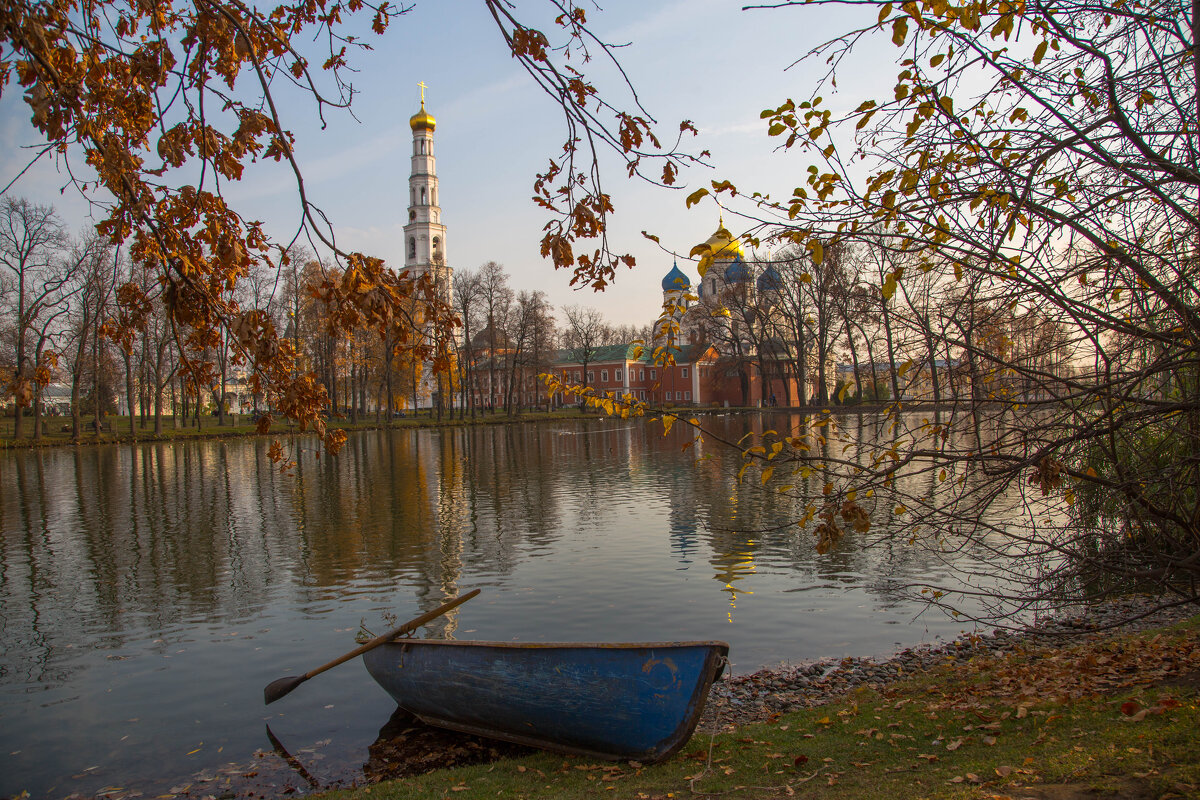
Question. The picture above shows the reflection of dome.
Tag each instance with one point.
(769, 281)
(737, 272)
(422, 119)
(676, 280)
(721, 246)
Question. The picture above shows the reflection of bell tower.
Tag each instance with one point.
(424, 234)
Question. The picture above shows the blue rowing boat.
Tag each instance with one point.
(639, 702)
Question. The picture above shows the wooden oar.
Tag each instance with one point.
(278, 688)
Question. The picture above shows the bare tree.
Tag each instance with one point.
(495, 299)
(32, 239)
(468, 295)
(585, 333)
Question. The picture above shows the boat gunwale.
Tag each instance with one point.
(559, 645)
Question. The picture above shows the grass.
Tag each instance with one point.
(1106, 719)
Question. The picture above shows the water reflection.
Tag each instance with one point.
(150, 592)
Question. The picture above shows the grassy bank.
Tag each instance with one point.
(1114, 717)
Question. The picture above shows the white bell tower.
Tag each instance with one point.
(424, 234)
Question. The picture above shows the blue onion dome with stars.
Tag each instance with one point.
(737, 271)
(676, 280)
(770, 280)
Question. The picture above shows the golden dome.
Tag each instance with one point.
(422, 119)
(721, 246)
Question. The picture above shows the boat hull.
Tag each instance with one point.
(613, 701)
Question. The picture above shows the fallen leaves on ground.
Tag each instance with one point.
(1097, 667)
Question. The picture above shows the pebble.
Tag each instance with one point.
(741, 699)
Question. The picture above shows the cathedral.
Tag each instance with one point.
(738, 311)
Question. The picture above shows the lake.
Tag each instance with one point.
(150, 592)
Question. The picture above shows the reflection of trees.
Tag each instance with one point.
(105, 544)
(745, 524)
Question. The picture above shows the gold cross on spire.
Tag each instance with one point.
(423, 88)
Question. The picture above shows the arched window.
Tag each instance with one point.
(412, 247)
(437, 243)
(422, 195)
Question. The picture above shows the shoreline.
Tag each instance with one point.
(756, 697)
(247, 430)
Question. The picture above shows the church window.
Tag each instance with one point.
(591, 376)
(642, 376)
(437, 248)
(412, 247)
(617, 375)
(422, 195)
(604, 376)
(687, 395)
(433, 197)
(685, 372)
(653, 374)
(412, 216)
(578, 377)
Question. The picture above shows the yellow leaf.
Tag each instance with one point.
(889, 287)
(695, 197)
(1039, 52)
(885, 12)
(766, 474)
(899, 31)
(818, 253)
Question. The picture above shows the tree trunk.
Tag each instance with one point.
(854, 360)
(129, 397)
(891, 353)
(37, 412)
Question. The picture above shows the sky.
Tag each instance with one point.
(707, 61)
